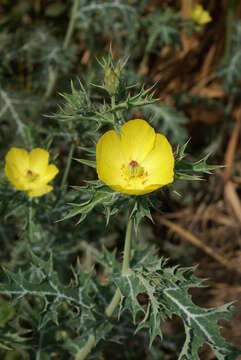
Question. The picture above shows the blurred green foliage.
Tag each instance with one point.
(55, 94)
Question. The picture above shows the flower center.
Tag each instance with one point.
(31, 176)
(133, 173)
(134, 169)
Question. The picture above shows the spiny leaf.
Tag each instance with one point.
(187, 171)
(48, 286)
(167, 293)
(180, 151)
(167, 120)
(89, 163)
(141, 210)
(163, 28)
(201, 325)
(100, 197)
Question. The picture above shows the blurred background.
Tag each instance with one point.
(197, 71)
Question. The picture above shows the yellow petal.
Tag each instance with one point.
(40, 191)
(199, 15)
(44, 178)
(159, 163)
(137, 139)
(50, 173)
(135, 191)
(198, 10)
(38, 160)
(18, 159)
(205, 18)
(109, 158)
(15, 178)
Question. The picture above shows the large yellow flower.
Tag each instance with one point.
(200, 16)
(30, 171)
(137, 162)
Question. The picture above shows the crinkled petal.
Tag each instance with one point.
(15, 178)
(44, 179)
(40, 191)
(50, 173)
(137, 139)
(38, 160)
(159, 164)
(109, 158)
(18, 159)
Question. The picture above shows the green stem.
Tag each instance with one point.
(71, 25)
(67, 38)
(53, 75)
(51, 82)
(30, 222)
(125, 268)
(113, 304)
(229, 28)
(83, 353)
(127, 248)
(113, 107)
(67, 168)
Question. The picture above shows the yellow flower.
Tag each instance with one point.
(137, 162)
(30, 171)
(200, 16)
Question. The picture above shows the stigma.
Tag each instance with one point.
(134, 169)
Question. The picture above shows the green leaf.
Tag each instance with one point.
(102, 197)
(201, 325)
(187, 171)
(166, 290)
(47, 286)
(163, 28)
(89, 163)
(180, 151)
(7, 312)
(141, 210)
(167, 120)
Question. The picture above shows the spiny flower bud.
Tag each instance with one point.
(112, 78)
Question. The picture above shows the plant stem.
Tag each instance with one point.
(30, 222)
(70, 29)
(229, 27)
(67, 38)
(67, 168)
(83, 353)
(113, 304)
(51, 82)
(113, 107)
(125, 268)
(53, 75)
(127, 248)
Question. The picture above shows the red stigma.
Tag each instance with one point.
(133, 163)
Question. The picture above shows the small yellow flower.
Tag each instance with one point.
(200, 16)
(30, 171)
(137, 162)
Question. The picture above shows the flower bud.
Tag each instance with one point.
(112, 78)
